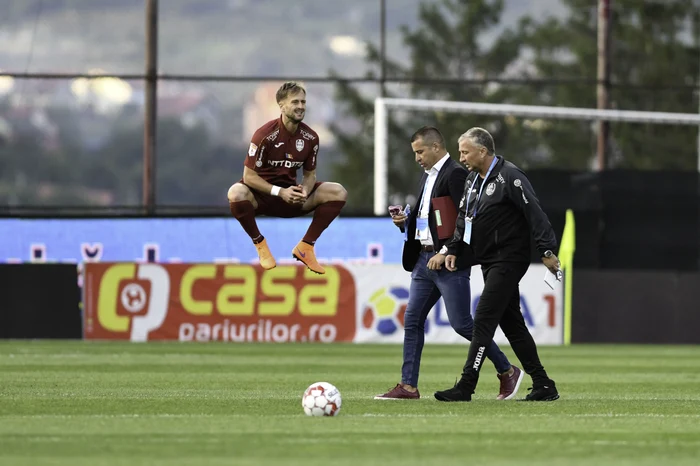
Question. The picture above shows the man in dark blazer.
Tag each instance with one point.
(429, 279)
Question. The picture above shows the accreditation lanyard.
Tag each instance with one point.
(425, 193)
(478, 196)
(422, 228)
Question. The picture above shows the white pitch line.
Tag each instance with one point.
(378, 415)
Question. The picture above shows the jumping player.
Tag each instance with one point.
(269, 185)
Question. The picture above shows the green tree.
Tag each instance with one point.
(449, 45)
(192, 170)
(653, 48)
(31, 175)
(188, 166)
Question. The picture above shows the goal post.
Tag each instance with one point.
(382, 105)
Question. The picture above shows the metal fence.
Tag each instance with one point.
(145, 107)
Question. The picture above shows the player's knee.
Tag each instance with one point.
(338, 192)
(238, 192)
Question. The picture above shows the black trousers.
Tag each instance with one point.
(500, 305)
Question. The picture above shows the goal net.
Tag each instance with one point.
(382, 107)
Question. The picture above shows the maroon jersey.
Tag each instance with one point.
(276, 154)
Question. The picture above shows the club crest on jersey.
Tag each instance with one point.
(300, 145)
(490, 188)
(252, 150)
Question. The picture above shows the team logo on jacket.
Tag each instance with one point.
(490, 188)
(519, 184)
(300, 144)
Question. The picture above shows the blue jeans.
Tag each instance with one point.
(426, 288)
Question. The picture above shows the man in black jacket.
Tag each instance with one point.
(429, 279)
(498, 212)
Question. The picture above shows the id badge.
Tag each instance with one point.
(467, 237)
(421, 228)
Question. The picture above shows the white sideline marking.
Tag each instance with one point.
(342, 414)
(650, 415)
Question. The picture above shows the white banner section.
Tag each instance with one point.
(383, 294)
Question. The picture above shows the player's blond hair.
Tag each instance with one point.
(290, 87)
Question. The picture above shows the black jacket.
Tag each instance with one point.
(508, 212)
(450, 182)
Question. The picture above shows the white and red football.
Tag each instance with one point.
(321, 399)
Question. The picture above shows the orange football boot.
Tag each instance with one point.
(304, 252)
(266, 260)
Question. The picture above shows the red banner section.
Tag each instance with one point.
(217, 302)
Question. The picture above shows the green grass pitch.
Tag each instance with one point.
(82, 403)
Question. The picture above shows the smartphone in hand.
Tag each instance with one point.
(395, 210)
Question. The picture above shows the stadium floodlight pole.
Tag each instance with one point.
(150, 108)
(381, 125)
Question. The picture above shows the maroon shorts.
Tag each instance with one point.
(274, 206)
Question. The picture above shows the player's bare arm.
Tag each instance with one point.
(308, 181)
(291, 195)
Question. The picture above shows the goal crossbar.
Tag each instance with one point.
(381, 125)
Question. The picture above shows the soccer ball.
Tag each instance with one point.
(321, 399)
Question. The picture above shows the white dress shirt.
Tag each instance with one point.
(424, 209)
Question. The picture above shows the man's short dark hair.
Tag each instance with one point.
(480, 137)
(429, 135)
(290, 87)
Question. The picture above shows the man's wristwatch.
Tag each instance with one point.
(548, 253)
